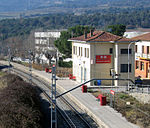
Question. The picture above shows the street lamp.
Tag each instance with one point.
(129, 59)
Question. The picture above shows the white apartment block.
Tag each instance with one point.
(44, 41)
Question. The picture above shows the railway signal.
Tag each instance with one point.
(53, 98)
(112, 96)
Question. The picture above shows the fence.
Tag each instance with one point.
(140, 88)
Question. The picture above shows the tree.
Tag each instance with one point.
(118, 29)
(64, 46)
(49, 54)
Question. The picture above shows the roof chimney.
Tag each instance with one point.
(85, 34)
(91, 32)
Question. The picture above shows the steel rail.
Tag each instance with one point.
(63, 114)
(67, 118)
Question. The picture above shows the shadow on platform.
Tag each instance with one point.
(5, 66)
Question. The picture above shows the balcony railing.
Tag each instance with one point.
(143, 55)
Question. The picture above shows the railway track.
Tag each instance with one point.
(71, 113)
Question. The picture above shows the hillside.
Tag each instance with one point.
(68, 5)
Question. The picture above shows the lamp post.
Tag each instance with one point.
(129, 59)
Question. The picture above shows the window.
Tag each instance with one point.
(136, 48)
(111, 50)
(142, 66)
(84, 52)
(87, 53)
(124, 68)
(76, 50)
(73, 49)
(142, 49)
(79, 51)
(125, 51)
(147, 49)
(137, 65)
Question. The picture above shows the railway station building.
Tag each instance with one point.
(100, 54)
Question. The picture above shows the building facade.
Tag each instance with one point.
(142, 56)
(44, 42)
(101, 54)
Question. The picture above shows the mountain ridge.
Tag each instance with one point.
(24, 5)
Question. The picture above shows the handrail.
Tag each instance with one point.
(90, 81)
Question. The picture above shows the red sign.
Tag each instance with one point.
(112, 92)
(103, 59)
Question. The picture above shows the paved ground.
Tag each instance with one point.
(105, 116)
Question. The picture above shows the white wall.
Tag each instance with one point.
(81, 63)
(47, 34)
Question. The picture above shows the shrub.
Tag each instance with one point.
(65, 64)
(19, 105)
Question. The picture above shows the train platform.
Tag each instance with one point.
(104, 116)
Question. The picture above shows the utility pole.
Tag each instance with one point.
(53, 98)
(9, 58)
(30, 66)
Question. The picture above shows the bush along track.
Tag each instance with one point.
(19, 105)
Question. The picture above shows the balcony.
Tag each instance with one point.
(142, 55)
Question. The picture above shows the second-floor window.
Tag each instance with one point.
(86, 52)
(125, 51)
(147, 49)
(111, 50)
(79, 51)
(136, 48)
(142, 49)
(74, 49)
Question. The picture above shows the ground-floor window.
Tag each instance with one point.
(142, 66)
(137, 64)
(124, 68)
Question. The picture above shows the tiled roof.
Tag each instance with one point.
(101, 36)
(144, 37)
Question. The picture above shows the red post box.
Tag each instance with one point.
(70, 76)
(102, 99)
(46, 69)
(84, 88)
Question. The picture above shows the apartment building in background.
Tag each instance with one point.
(100, 54)
(142, 56)
(44, 42)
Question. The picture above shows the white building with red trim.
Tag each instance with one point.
(100, 54)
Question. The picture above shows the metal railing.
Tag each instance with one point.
(140, 88)
(143, 55)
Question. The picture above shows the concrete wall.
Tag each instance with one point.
(101, 70)
(123, 59)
